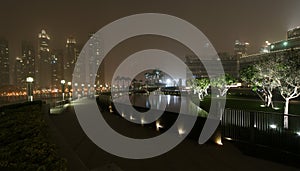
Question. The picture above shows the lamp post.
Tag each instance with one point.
(76, 90)
(29, 81)
(95, 89)
(89, 90)
(82, 86)
(69, 89)
(63, 89)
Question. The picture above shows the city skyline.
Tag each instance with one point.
(253, 21)
(270, 21)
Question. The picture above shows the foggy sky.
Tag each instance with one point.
(222, 21)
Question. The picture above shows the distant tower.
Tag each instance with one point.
(44, 61)
(28, 58)
(57, 68)
(95, 59)
(240, 48)
(19, 73)
(70, 58)
(4, 62)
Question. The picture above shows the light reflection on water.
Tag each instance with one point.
(173, 103)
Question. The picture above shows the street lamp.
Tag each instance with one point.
(29, 81)
(69, 88)
(76, 90)
(82, 86)
(63, 88)
(89, 90)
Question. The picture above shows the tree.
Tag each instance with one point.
(261, 78)
(282, 73)
(223, 83)
(200, 86)
(288, 75)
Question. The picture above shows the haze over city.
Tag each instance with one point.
(223, 95)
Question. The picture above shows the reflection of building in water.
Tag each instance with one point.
(229, 62)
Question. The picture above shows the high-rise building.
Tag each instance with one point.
(196, 68)
(292, 41)
(95, 50)
(28, 58)
(70, 58)
(57, 68)
(240, 48)
(25, 65)
(19, 73)
(44, 61)
(4, 62)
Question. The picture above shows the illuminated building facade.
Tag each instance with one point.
(28, 58)
(292, 42)
(44, 61)
(229, 62)
(70, 58)
(19, 72)
(57, 69)
(240, 48)
(4, 62)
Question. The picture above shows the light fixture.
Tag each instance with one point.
(158, 125)
(273, 126)
(181, 131)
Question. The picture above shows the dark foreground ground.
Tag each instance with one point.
(82, 154)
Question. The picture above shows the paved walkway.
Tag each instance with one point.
(187, 156)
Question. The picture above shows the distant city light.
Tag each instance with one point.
(273, 126)
(285, 43)
(298, 133)
(29, 79)
(227, 138)
(218, 140)
(131, 118)
(158, 125)
(181, 131)
(272, 46)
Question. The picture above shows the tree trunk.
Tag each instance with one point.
(286, 112)
(286, 106)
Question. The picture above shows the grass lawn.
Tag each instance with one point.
(245, 103)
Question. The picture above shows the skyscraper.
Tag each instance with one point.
(70, 58)
(28, 58)
(4, 62)
(19, 72)
(44, 61)
(25, 65)
(57, 68)
(240, 48)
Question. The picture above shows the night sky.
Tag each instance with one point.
(223, 22)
